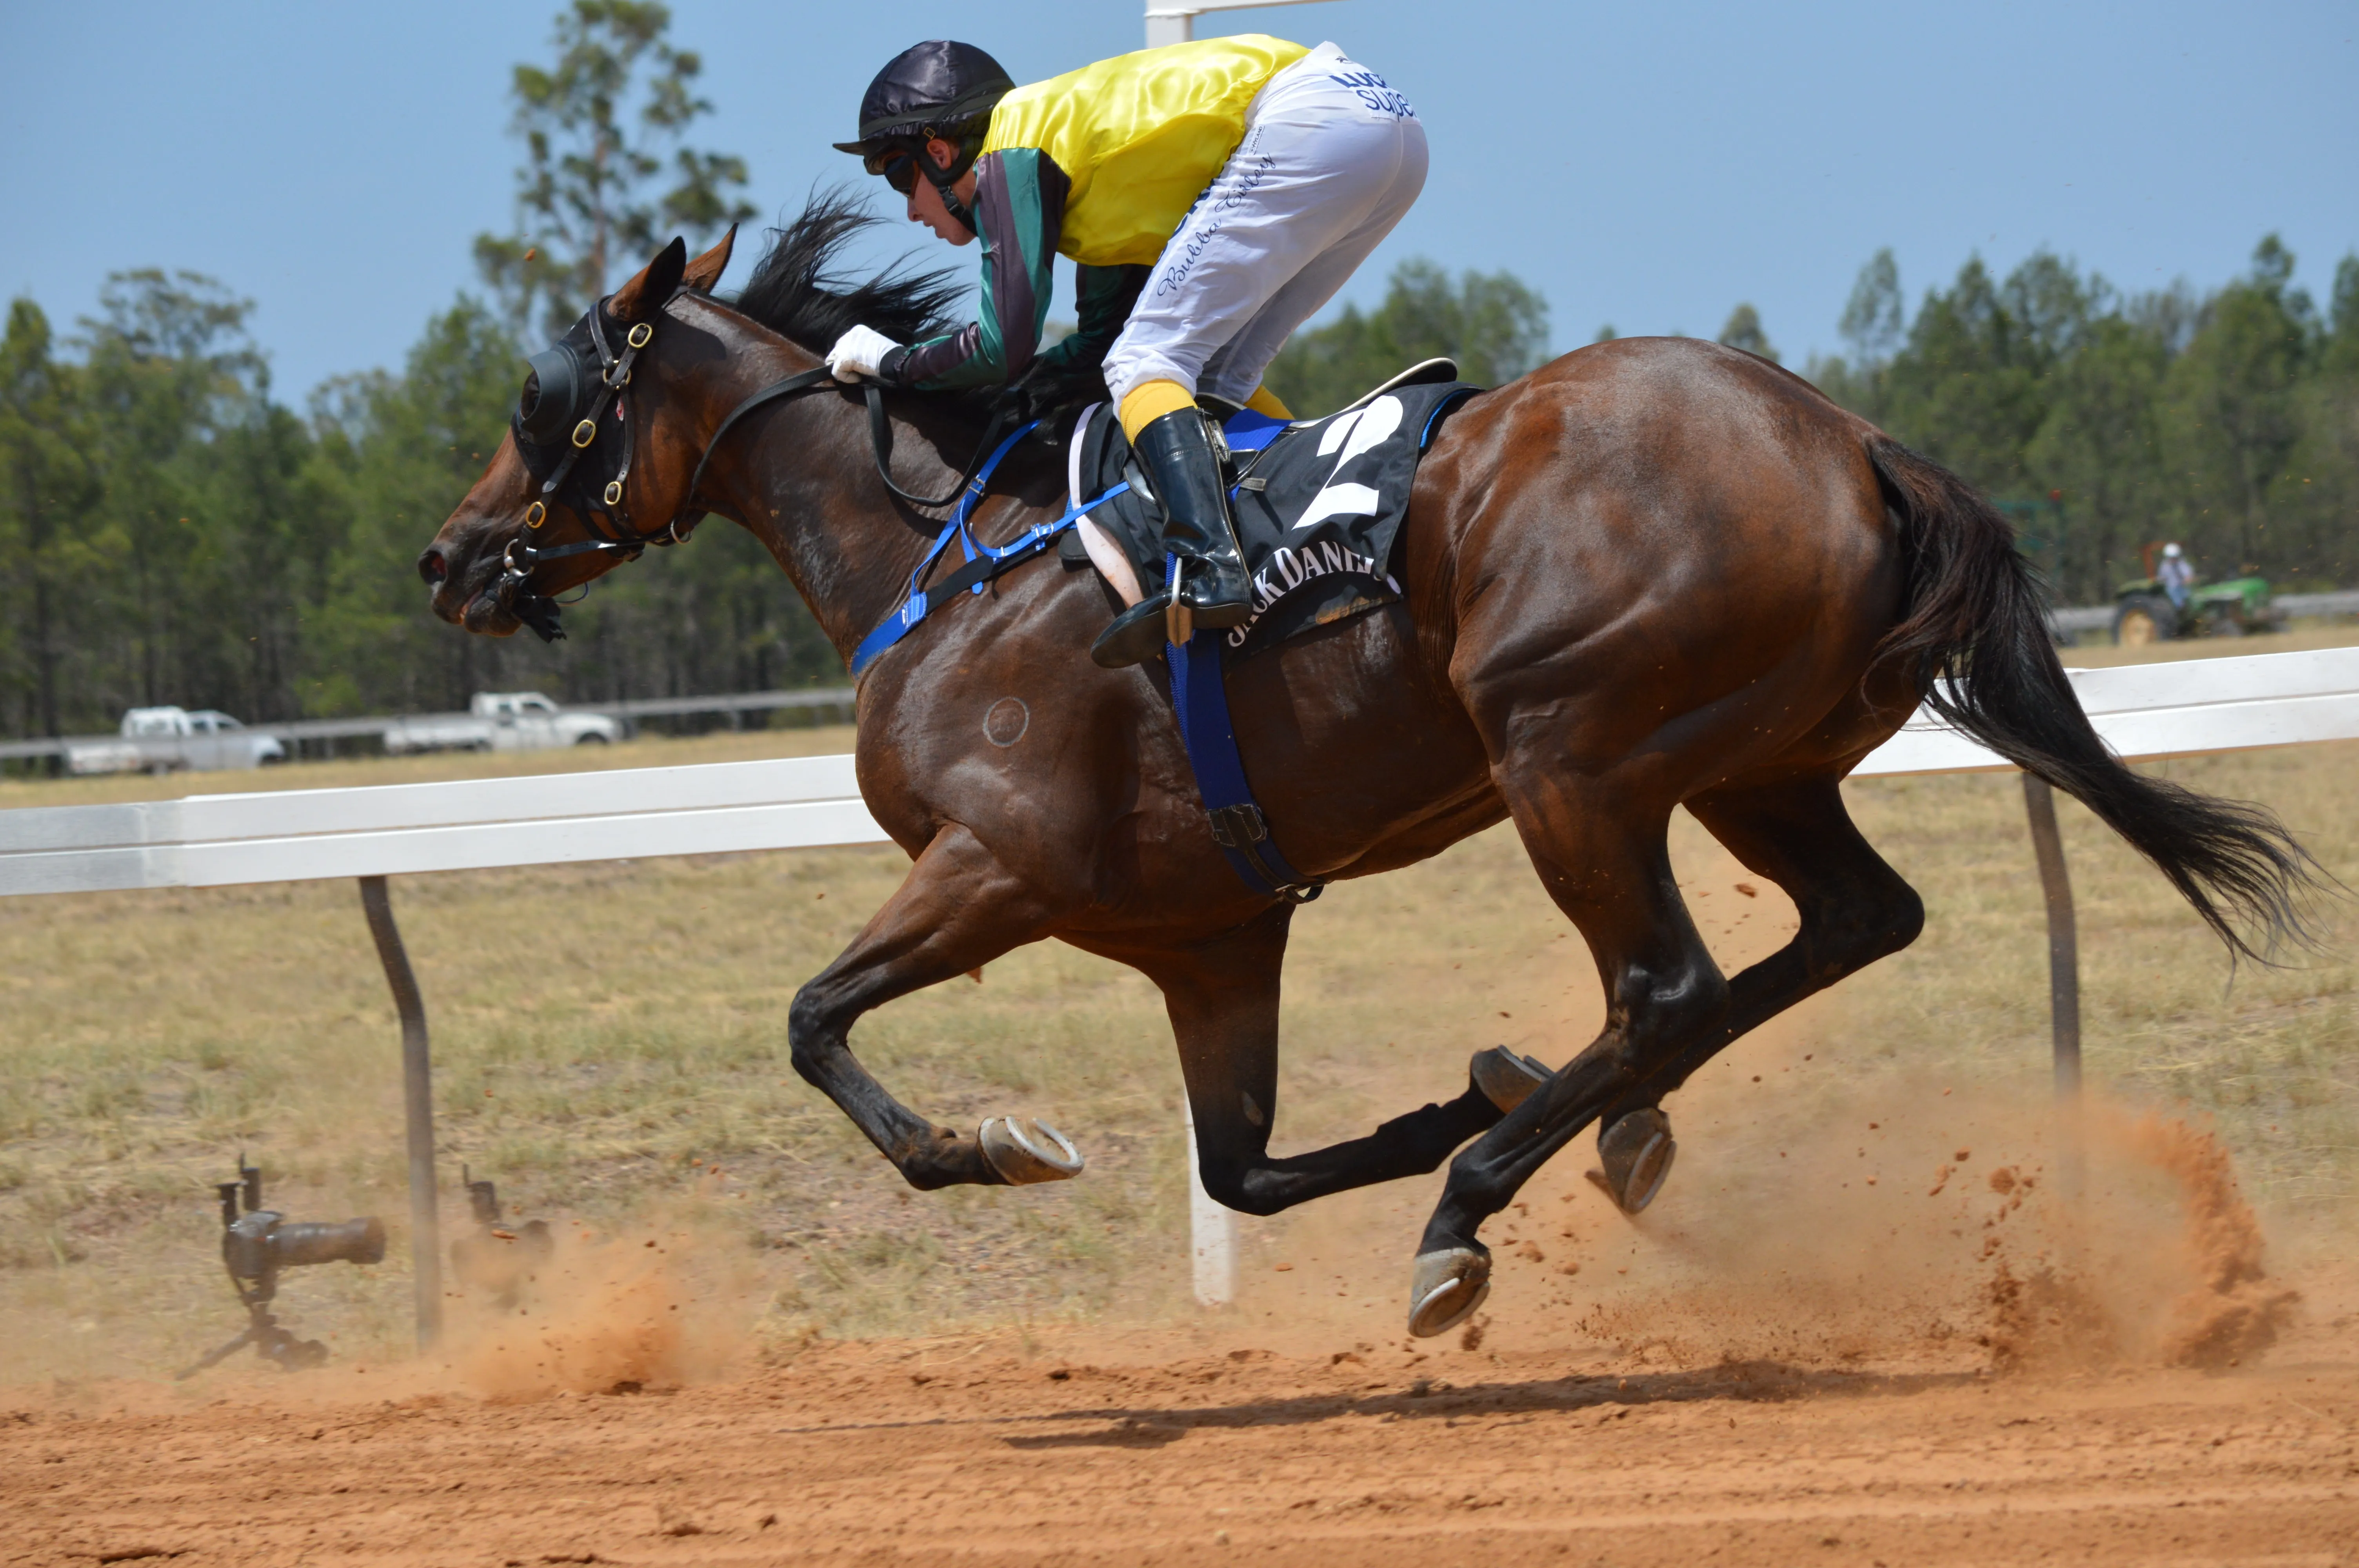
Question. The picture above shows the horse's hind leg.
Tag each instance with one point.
(1222, 997)
(1600, 851)
(957, 909)
(1853, 909)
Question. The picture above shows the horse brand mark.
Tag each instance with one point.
(1006, 723)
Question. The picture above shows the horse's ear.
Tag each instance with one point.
(645, 294)
(704, 272)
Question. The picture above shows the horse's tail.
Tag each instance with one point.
(1977, 634)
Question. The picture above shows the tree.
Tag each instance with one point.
(47, 486)
(1873, 316)
(1971, 384)
(1744, 331)
(2232, 406)
(169, 371)
(1491, 323)
(593, 200)
(2100, 444)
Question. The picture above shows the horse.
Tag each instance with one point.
(1654, 573)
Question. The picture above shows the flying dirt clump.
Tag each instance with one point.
(2108, 1287)
(2232, 1312)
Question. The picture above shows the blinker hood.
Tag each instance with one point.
(554, 394)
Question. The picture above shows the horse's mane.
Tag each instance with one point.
(797, 292)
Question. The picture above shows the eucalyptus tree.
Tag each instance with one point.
(607, 174)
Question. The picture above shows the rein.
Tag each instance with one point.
(539, 612)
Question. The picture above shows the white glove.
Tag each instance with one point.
(858, 353)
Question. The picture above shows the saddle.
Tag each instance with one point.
(1318, 502)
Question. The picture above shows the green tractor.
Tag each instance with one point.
(2143, 612)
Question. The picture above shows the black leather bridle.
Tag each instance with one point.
(616, 534)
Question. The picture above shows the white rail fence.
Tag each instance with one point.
(210, 840)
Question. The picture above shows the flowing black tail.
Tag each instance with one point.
(1978, 637)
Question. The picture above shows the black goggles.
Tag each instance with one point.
(895, 164)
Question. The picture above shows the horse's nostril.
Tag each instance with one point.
(433, 567)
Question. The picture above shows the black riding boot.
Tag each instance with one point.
(1176, 452)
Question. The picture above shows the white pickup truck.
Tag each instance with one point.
(163, 739)
(501, 721)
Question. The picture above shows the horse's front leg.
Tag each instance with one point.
(1222, 997)
(959, 909)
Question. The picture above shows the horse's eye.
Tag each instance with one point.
(530, 397)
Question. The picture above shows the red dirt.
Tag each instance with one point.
(1154, 1451)
(1897, 1348)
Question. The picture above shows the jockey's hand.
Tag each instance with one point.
(858, 354)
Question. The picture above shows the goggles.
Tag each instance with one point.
(895, 164)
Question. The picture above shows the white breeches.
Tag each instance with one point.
(1331, 159)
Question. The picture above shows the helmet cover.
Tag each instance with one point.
(938, 82)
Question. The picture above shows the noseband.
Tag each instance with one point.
(618, 536)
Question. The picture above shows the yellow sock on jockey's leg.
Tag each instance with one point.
(1150, 401)
(1264, 401)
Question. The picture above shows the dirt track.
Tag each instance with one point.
(978, 1451)
(1903, 1372)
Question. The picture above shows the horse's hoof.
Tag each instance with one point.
(1506, 1079)
(1026, 1153)
(1446, 1286)
(1636, 1152)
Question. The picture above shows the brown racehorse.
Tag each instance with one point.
(1655, 573)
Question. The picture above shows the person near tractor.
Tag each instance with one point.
(1212, 195)
(2176, 575)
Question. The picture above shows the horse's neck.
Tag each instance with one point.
(805, 485)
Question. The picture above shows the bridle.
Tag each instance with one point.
(617, 536)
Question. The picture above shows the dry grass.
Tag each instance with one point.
(609, 1045)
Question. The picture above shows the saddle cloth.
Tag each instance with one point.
(1317, 503)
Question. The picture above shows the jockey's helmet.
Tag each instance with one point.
(935, 88)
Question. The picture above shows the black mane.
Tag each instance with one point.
(796, 293)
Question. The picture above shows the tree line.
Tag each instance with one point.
(2107, 422)
(178, 533)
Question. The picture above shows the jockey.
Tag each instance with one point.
(1213, 195)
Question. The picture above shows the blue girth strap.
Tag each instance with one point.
(1201, 698)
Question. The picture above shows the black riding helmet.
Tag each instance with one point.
(938, 88)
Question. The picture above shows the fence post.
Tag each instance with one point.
(2063, 939)
(418, 1105)
(1211, 1230)
(2063, 970)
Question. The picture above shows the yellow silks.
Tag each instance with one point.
(1140, 136)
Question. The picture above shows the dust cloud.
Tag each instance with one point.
(650, 1306)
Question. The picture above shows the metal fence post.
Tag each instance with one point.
(2063, 939)
(418, 1104)
(2063, 970)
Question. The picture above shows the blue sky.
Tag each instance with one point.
(1645, 165)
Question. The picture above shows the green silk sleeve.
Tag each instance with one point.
(1106, 295)
(1019, 208)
